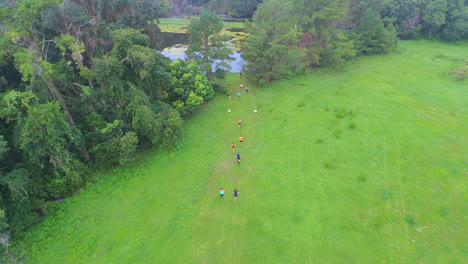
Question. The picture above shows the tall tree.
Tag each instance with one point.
(434, 15)
(206, 43)
(272, 50)
(287, 36)
(370, 36)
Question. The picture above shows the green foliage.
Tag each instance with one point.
(14, 104)
(244, 8)
(370, 35)
(46, 137)
(282, 45)
(128, 147)
(456, 26)
(206, 45)
(142, 116)
(4, 236)
(172, 128)
(434, 15)
(24, 61)
(124, 39)
(73, 68)
(189, 86)
(18, 183)
(447, 19)
(272, 49)
(103, 139)
(3, 146)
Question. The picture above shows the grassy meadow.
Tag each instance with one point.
(361, 164)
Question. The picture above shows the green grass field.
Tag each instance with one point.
(181, 24)
(364, 164)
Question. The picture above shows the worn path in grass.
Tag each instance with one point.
(365, 164)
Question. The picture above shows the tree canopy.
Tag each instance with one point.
(207, 45)
(82, 87)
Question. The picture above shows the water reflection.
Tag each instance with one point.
(178, 52)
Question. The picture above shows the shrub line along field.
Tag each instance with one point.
(364, 164)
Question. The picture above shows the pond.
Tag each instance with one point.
(175, 46)
(178, 52)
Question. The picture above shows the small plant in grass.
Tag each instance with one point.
(362, 178)
(340, 113)
(410, 220)
(343, 113)
(352, 125)
(319, 141)
(328, 165)
(337, 133)
(301, 104)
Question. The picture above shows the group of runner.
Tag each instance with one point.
(233, 145)
(239, 94)
(235, 192)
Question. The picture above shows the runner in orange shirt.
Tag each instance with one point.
(241, 139)
(233, 146)
(239, 122)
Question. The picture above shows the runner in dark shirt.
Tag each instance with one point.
(236, 194)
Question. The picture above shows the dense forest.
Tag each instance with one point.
(82, 86)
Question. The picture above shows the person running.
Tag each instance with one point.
(238, 95)
(238, 156)
(233, 146)
(241, 139)
(239, 122)
(221, 193)
(236, 194)
(247, 89)
(241, 86)
(229, 95)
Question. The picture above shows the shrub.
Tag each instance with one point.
(301, 104)
(128, 147)
(328, 165)
(341, 113)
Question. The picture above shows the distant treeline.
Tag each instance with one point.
(289, 36)
(443, 19)
(234, 8)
